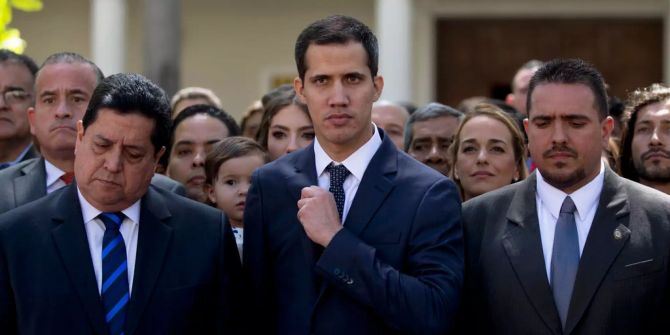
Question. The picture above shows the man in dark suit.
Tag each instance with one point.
(63, 86)
(573, 249)
(17, 77)
(110, 254)
(381, 253)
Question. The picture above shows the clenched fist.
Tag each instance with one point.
(318, 215)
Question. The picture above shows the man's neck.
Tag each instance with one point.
(64, 160)
(341, 151)
(661, 186)
(11, 149)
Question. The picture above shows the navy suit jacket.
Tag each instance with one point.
(396, 267)
(182, 283)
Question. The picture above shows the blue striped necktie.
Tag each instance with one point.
(115, 292)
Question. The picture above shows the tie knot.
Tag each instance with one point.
(568, 206)
(112, 220)
(337, 171)
(67, 178)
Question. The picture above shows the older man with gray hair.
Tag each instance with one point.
(429, 132)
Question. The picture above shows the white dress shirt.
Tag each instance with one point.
(95, 230)
(549, 201)
(356, 163)
(53, 177)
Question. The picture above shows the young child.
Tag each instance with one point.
(228, 169)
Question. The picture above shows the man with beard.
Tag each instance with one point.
(574, 248)
(646, 138)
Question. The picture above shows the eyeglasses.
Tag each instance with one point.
(15, 97)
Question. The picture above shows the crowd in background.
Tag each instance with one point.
(481, 144)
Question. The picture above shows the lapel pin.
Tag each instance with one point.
(618, 234)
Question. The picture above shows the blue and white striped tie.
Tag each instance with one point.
(115, 292)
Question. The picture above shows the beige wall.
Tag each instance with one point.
(232, 47)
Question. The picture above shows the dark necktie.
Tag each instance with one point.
(338, 173)
(564, 258)
(115, 292)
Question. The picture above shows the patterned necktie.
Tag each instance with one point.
(115, 292)
(338, 173)
(67, 178)
(564, 258)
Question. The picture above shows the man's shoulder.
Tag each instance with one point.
(495, 200)
(642, 196)
(179, 207)
(40, 210)
(19, 169)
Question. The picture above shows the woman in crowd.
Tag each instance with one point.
(251, 120)
(488, 152)
(286, 125)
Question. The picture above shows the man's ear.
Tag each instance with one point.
(31, 119)
(80, 135)
(378, 82)
(160, 153)
(299, 87)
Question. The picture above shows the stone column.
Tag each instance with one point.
(108, 35)
(394, 22)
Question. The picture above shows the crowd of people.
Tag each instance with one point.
(326, 210)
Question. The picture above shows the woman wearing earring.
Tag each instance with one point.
(487, 153)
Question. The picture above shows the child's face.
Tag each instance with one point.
(231, 185)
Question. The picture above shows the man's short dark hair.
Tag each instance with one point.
(336, 29)
(133, 94)
(637, 100)
(73, 58)
(10, 56)
(571, 71)
(430, 111)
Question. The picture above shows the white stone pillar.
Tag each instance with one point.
(394, 22)
(108, 35)
(666, 43)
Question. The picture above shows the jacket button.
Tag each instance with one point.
(349, 281)
(337, 271)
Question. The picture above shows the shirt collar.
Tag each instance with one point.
(21, 155)
(584, 198)
(356, 163)
(53, 173)
(89, 212)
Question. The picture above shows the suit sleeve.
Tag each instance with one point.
(254, 264)
(7, 305)
(423, 298)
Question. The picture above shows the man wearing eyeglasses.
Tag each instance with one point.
(17, 77)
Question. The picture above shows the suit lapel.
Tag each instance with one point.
(374, 187)
(69, 235)
(152, 247)
(31, 185)
(601, 248)
(523, 247)
(303, 174)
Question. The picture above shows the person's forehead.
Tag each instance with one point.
(437, 125)
(522, 78)
(657, 111)
(200, 128)
(389, 113)
(561, 98)
(485, 128)
(335, 58)
(15, 74)
(71, 75)
(128, 127)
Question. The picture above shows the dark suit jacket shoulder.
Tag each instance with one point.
(396, 267)
(22, 183)
(182, 280)
(624, 263)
